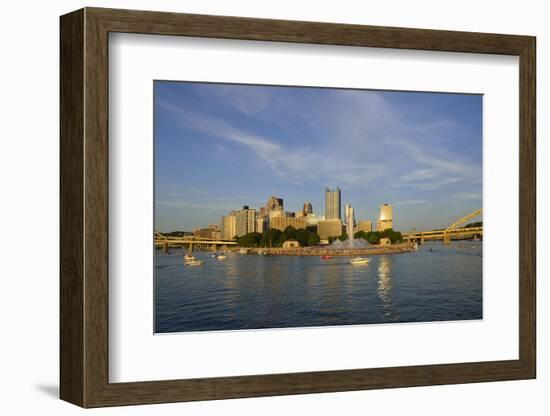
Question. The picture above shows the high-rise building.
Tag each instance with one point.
(260, 224)
(386, 218)
(274, 203)
(364, 225)
(276, 212)
(228, 226)
(329, 228)
(349, 214)
(245, 221)
(333, 201)
(307, 209)
(350, 220)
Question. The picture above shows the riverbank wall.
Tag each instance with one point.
(329, 251)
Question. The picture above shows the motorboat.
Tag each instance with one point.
(222, 256)
(359, 260)
(194, 263)
(326, 257)
(188, 257)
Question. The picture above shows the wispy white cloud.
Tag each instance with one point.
(295, 163)
(361, 140)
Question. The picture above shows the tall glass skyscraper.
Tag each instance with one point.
(333, 203)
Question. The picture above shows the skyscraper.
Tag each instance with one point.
(386, 218)
(273, 203)
(333, 201)
(228, 226)
(350, 220)
(307, 209)
(245, 221)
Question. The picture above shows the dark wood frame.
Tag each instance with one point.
(84, 207)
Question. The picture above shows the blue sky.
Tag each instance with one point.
(221, 146)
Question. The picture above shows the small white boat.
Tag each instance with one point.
(188, 257)
(194, 263)
(222, 257)
(359, 260)
(214, 255)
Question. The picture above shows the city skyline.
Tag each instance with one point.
(221, 146)
(262, 217)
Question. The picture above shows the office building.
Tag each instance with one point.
(386, 218)
(307, 209)
(281, 222)
(260, 224)
(228, 227)
(350, 220)
(273, 203)
(245, 221)
(211, 232)
(329, 228)
(333, 201)
(276, 212)
(364, 225)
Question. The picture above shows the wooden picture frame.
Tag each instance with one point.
(84, 207)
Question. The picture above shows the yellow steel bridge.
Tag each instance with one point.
(190, 241)
(455, 231)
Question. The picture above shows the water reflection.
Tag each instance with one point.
(385, 286)
(254, 291)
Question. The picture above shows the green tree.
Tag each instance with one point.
(290, 233)
(271, 238)
(373, 237)
(343, 237)
(302, 236)
(394, 236)
(250, 240)
(313, 239)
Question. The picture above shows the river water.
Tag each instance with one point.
(435, 283)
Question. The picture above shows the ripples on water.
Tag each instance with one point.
(255, 291)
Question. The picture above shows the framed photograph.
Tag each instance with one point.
(254, 207)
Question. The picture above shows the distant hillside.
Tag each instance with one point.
(474, 224)
(177, 233)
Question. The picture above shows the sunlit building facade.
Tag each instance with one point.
(228, 226)
(280, 223)
(386, 218)
(364, 225)
(245, 221)
(329, 228)
(333, 203)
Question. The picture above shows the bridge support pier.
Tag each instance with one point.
(446, 239)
